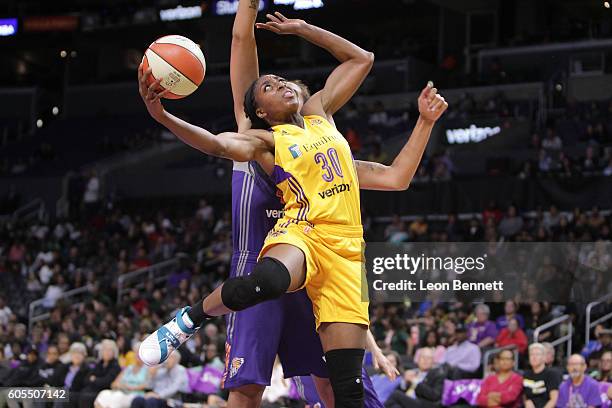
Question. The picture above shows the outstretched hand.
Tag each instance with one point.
(150, 92)
(280, 24)
(431, 104)
(382, 363)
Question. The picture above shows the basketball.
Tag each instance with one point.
(179, 62)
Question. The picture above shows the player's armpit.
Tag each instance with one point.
(240, 147)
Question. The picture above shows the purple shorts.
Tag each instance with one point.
(305, 390)
(256, 335)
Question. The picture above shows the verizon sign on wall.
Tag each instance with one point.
(471, 134)
(483, 134)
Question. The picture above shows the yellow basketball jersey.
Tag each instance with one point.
(315, 172)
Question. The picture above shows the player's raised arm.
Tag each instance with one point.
(244, 66)
(344, 81)
(397, 176)
(229, 145)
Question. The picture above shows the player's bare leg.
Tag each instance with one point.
(280, 270)
(324, 389)
(247, 396)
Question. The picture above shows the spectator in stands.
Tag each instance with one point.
(212, 357)
(418, 229)
(589, 162)
(397, 338)
(511, 224)
(604, 371)
(510, 309)
(545, 162)
(167, 381)
(63, 345)
(141, 260)
(537, 317)
(130, 383)
(5, 367)
(474, 230)
(50, 368)
(602, 341)
(26, 373)
(423, 386)
(432, 341)
(504, 388)
(353, 139)
(551, 218)
(5, 313)
(491, 212)
(378, 116)
(540, 383)
(483, 331)
(91, 196)
(607, 171)
(549, 360)
(512, 335)
(552, 143)
(394, 226)
(579, 390)
(102, 375)
(72, 376)
(463, 355)
(205, 212)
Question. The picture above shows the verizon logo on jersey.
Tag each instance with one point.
(275, 213)
(336, 189)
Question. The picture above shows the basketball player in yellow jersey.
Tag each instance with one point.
(318, 244)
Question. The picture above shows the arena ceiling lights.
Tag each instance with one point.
(8, 27)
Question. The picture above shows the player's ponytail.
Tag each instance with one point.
(250, 108)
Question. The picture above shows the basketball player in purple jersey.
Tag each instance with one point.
(284, 326)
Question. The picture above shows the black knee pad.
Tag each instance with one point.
(344, 366)
(269, 280)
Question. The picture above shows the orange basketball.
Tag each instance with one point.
(178, 61)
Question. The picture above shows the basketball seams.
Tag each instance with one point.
(177, 92)
(177, 70)
(200, 59)
(184, 62)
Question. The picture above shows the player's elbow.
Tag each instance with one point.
(242, 36)
(368, 58)
(398, 184)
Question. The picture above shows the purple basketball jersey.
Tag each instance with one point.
(255, 209)
(284, 326)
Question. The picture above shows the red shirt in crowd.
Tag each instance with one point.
(510, 390)
(507, 338)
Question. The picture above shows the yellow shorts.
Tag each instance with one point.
(335, 269)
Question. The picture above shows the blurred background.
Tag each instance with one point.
(104, 215)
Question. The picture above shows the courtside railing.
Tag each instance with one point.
(563, 339)
(589, 325)
(38, 311)
(35, 209)
(157, 273)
